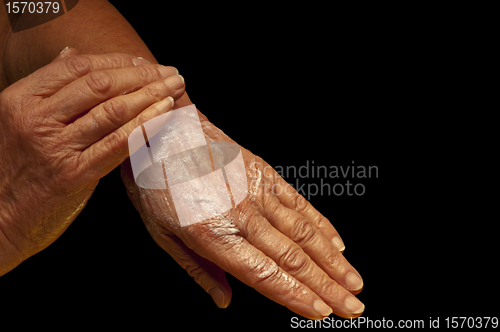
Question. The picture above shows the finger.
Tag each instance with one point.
(301, 231)
(237, 256)
(295, 261)
(66, 52)
(205, 273)
(103, 156)
(70, 66)
(291, 199)
(208, 275)
(114, 113)
(81, 95)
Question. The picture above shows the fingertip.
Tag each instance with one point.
(338, 243)
(64, 50)
(322, 308)
(220, 291)
(220, 298)
(354, 306)
(67, 52)
(353, 282)
(140, 61)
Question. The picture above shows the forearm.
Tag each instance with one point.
(93, 26)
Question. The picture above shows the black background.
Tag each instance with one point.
(292, 85)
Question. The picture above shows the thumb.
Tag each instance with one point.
(205, 273)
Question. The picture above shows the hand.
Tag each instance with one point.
(273, 241)
(62, 128)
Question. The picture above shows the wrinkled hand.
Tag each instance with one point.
(62, 128)
(273, 241)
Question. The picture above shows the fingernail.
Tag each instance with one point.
(165, 105)
(175, 82)
(353, 281)
(140, 61)
(167, 71)
(64, 50)
(353, 305)
(337, 243)
(218, 297)
(322, 308)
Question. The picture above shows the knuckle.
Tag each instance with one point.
(332, 290)
(323, 223)
(264, 270)
(333, 258)
(302, 232)
(217, 231)
(155, 91)
(147, 74)
(194, 271)
(114, 111)
(252, 229)
(294, 260)
(114, 143)
(300, 203)
(78, 65)
(119, 60)
(99, 82)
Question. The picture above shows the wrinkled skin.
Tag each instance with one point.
(63, 128)
(273, 241)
